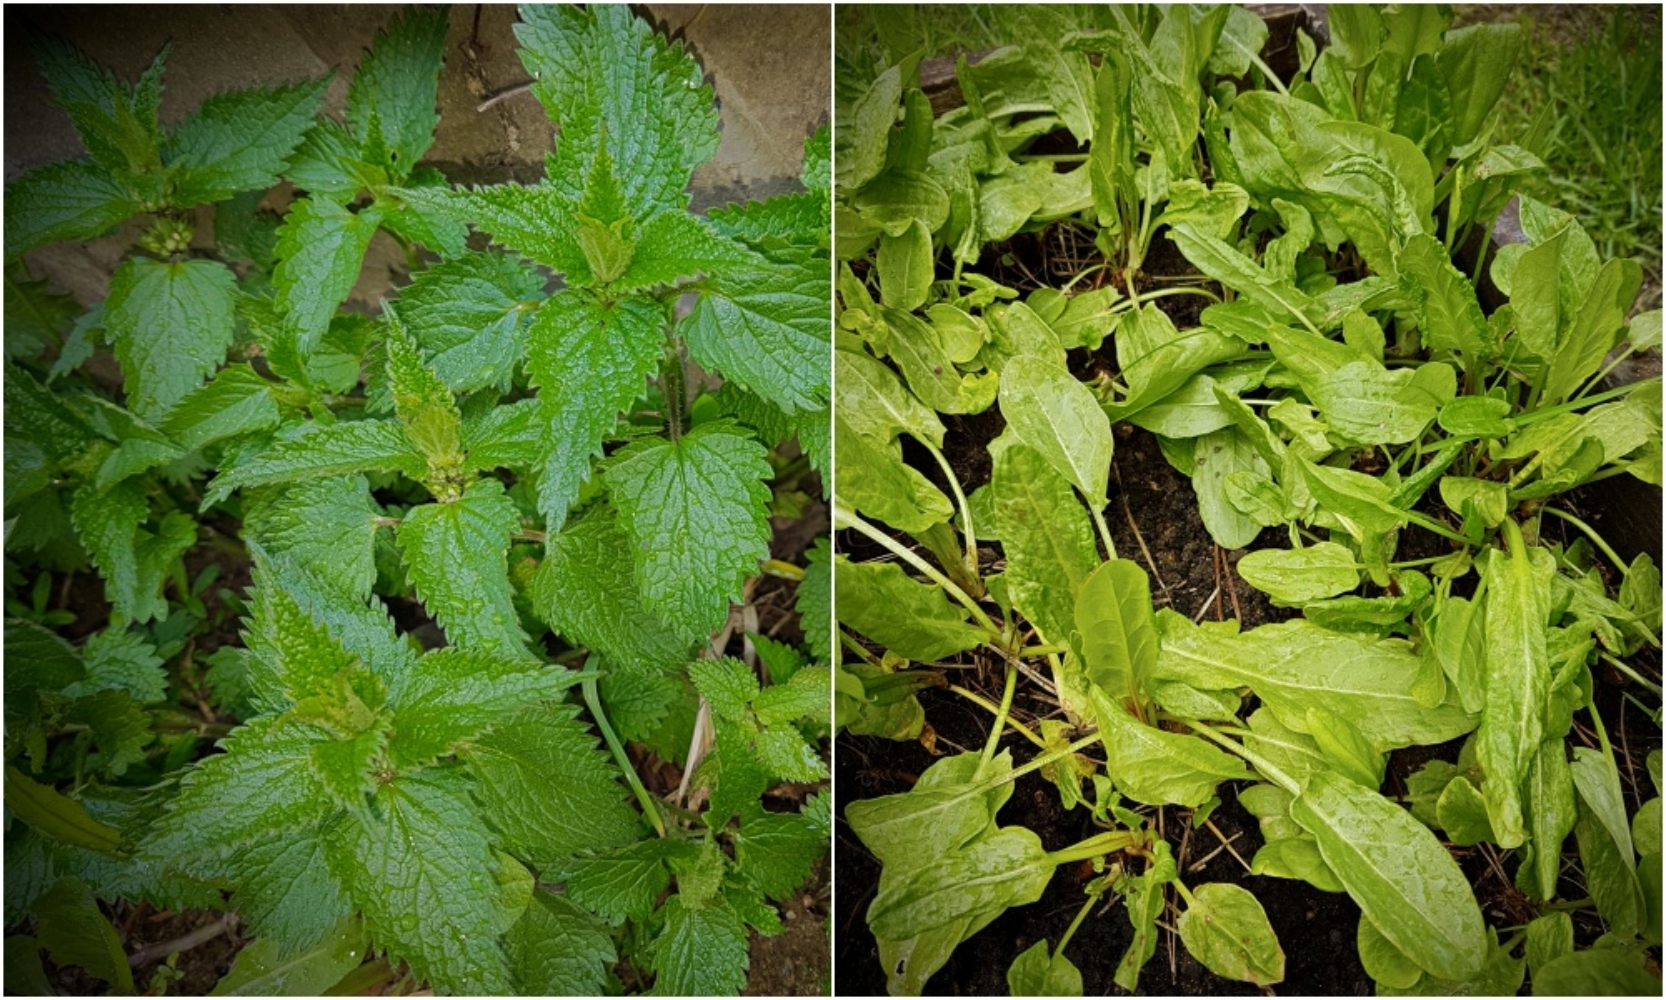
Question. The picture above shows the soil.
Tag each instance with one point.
(1154, 520)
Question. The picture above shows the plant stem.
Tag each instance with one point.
(1266, 71)
(1597, 539)
(993, 709)
(1104, 531)
(994, 740)
(1623, 668)
(845, 518)
(592, 699)
(1037, 652)
(1267, 769)
(970, 558)
(1097, 846)
(673, 389)
(1036, 764)
(1070, 932)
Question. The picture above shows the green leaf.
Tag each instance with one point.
(766, 328)
(391, 101)
(1448, 315)
(1145, 902)
(547, 789)
(1005, 869)
(914, 620)
(1383, 962)
(63, 819)
(69, 200)
(320, 249)
(1476, 61)
(470, 315)
(1049, 544)
(736, 779)
(40, 658)
(624, 883)
(327, 526)
(727, 684)
(240, 140)
(874, 402)
(262, 787)
(701, 952)
(236, 401)
(588, 360)
(1295, 665)
(776, 851)
(117, 122)
(1118, 643)
(1039, 973)
(454, 696)
(1399, 874)
(315, 450)
(1605, 843)
(1296, 576)
(1597, 972)
(118, 727)
(602, 71)
(1344, 747)
(1517, 682)
(264, 967)
(674, 244)
(132, 560)
(1157, 767)
(456, 553)
(75, 932)
(557, 949)
(1049, 410)
(814, 602)
(1551, 813)
(170, 325)
(875, 481)
(1217, 456)
(802, 696)
(695, 510)
(589, 595)
(1225, 928)
(417, 868)
(918, 350)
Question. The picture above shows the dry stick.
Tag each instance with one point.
(504, 95)
(1122, 495)
(1231, 588)
(1206, 605)
(1226, 842)
(185, 942)
(1220, 609)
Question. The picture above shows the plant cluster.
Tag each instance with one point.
(1345, 395)
(418, 804)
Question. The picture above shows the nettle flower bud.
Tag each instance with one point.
(169, 235)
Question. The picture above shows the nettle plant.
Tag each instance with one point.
(442, 804)
(1345, 388)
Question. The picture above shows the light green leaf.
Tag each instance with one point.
(918, 350)
(874, 481)
(68, 200)
(557, 949)
(1398, 873)
(1296, 576)
(170, 325)
(1036, 972)
(1596, 972)
(914, 620)
(874, 402)
(767, 329)
(1517, 683)
(1145, 904)
(1049, 410)
(701, 952)
(905, 267)
(470, 314)
(1005, 869)
(390, 102)
(265, 968)
(1157, 767)
(1225, 928)
(1217, 456)
(695, 511)
(1049, 544)
(588, 360)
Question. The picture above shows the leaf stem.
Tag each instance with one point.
(1097, 846)
(594, 701)
(1591, 533)
(970, 557)
(1081, 915)
(1104, 531)
(846, 519)
(1266, 71)
(993, 709)
(1624, 668)
(1267, 769)
(1000, 722)
(1036, 764)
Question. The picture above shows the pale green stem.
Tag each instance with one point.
(1037, 652)
(1597, 539)
(993, 709)
(1623, 668)
(849, 519)
(1597, 379)
(1096, 846)
(1266, 768)
(1070, 932)
(1163, 293)
(1000, 722)
(1104, 531)
(1037, 764)
(1267, 71)
(647, 802)
(970, 558)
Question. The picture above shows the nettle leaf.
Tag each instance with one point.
(133, 560)
(263, 786)
(292, 655)
(549, 791)
(557, 949)
(624, 883)
(286, 891)
(456, 553)
(470, 314)
(425, 407)
(695, 510)
(326, 525)
(589, 360)
(265, 968)
(813, 601)
(236, 401)
(316, 449)
(453, 696)
(391, 101)
(702, 951)
(320, 249)
(70, 200)
(602, 72)
(674, 244)
(418, 866)
(588, 594)
(121, 661)
(363, 629)
(767, 328)
(240, 140)
(170, 325)
(776, 851)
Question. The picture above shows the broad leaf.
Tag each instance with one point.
(170, 325)
(456, 554)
